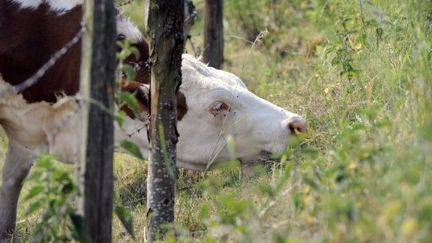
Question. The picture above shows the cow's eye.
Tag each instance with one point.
(218, 107)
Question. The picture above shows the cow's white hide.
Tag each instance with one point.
(41, 127)
(57, 6)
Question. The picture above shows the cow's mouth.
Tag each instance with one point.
(266, 157)
(264, 154)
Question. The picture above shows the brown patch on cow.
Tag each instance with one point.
(28, 38)
(182, 107)
(140, 63)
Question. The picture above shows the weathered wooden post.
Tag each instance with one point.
(213, 33)
(165, 27)
(97, 87)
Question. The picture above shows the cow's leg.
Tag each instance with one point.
(17, 165)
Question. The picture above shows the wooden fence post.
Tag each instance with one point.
(213, 33)
(97, 87)
(165, 27)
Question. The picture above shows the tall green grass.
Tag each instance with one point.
(360, 71)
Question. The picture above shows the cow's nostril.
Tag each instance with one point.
(297, 125)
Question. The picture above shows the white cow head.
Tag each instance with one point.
(220, 107)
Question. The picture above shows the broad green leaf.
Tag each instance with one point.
(130, 101)
(126, 219)
(130, 71)
(36, 190)
(120, 117)
(132, 149)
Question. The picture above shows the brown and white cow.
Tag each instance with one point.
(213, 105)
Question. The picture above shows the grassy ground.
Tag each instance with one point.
(359, 71)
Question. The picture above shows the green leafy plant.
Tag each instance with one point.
(52, 196)
(53, 192)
